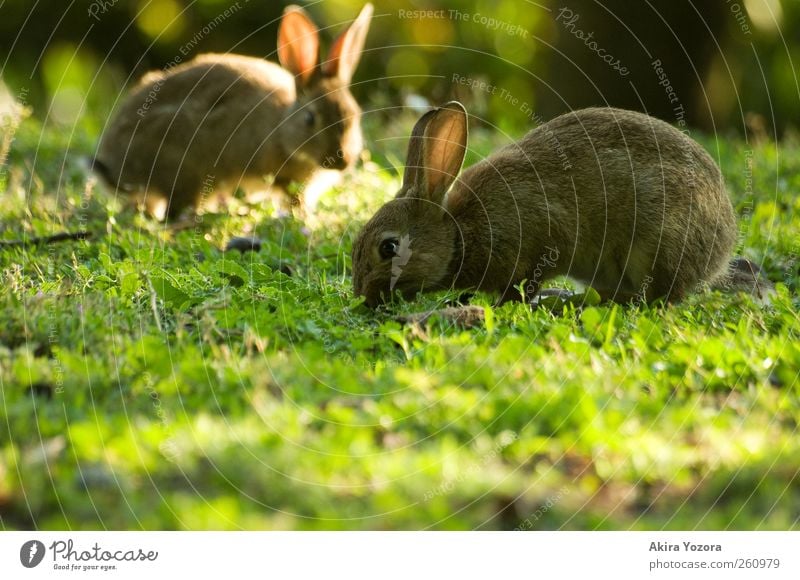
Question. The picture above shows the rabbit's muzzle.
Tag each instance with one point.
(363, 286)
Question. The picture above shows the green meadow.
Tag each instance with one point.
(150, 380)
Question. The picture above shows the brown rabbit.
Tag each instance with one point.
(615, 199)
(223, 119)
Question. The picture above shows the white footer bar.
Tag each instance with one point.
(402, 555)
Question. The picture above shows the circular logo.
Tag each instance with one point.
(31, 553)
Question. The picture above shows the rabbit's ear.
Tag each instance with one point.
(411, 176)
(346, 51)
(298, 44)
(436, 151)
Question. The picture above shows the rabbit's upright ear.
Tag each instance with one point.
(436, 151)
(346, 51)
(298, 44)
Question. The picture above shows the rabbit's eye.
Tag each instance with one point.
(388, 248)
(308, 118)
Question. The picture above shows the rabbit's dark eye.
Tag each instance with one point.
(309, 118)
(389, 248)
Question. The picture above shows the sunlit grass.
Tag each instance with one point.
(150, 380)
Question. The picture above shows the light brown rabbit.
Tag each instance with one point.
(615, 199)
(221, 120)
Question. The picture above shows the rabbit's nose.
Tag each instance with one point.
(371, 299)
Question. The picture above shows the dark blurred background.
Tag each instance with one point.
(717, 65)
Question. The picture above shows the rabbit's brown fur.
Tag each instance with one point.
(220, 120)
(612, 198)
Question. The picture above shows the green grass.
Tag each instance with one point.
(150, 380)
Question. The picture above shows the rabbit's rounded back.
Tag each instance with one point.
(222, 118)
(613, 198)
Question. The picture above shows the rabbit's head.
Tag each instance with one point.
(412, 243)
(323, 126)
